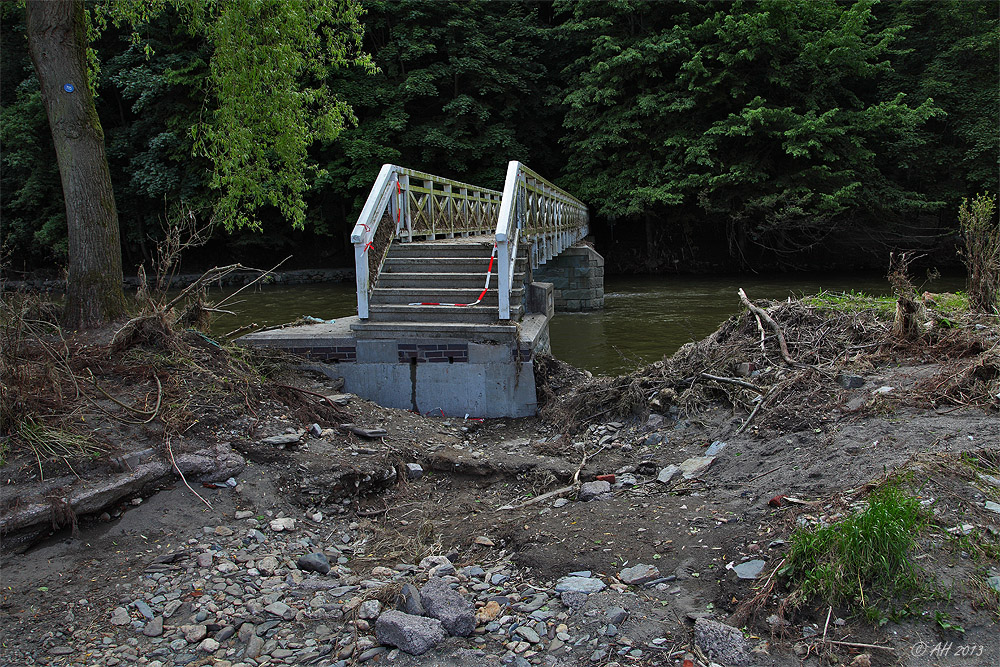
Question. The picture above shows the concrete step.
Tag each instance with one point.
(497, 333)
(443, 265)
(443, 248)
(430, 280)
(404, 295)
(439, 314)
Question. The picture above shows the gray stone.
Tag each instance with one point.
(849, 381)
(60, 650)
(282, 524)
(414, 471)
(193, 633)
(580, 585)
(616, 615)
(144, 609)
(573, 599)
(528, 634)
(442, 570)
(715, 448)
(994, 583)
(722, 643)
(205, 559)
(369, 609)
(992, 506)
(154, 628)
(653, 439)
(267, 565)
(560, 502)
(409, 601)
(667, 474)
(411, 634)
(246, 631)
(314, 562)
(638, 574)
(590, 490)
(315, 430)
(695, 466)
(749, 570)
(254, 647)
(208, 645)
(285, 439)
(120, 616)
(280, 609)
(225, 633)
(456, 613)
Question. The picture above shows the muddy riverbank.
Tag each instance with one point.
(673, 494)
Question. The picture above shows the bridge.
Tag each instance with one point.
(451, 292)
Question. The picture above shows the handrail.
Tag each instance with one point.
(438, 206)
(547, 216)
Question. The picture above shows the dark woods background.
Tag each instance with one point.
(770, 135)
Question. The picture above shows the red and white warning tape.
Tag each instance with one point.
(489, 273)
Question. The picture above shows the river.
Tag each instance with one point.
(644, 318)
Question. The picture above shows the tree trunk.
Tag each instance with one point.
(57, 39)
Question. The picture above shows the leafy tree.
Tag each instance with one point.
(766, 116)
(269, 101)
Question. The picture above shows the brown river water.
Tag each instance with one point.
(644, 318)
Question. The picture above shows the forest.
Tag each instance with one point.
(704, 135)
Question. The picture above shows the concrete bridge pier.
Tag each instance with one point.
(577, 277)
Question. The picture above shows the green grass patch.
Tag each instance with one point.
(863, 561)
(851, 302)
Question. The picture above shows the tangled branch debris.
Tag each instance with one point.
(790, 379)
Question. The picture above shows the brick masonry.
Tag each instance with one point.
(448, 353)
(328, 353)
(577, 277)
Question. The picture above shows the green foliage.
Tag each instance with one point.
(766, 116)
(862, 561)
(852, 302)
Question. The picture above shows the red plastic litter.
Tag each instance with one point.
(610, 479)
(776, 501)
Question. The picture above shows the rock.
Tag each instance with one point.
(580, 585)
(750, 569)
(695, 466)
(193, 633)
(208, 645)
(315, 430)
(414, 471)
(994, 583)
(314, 562)
(715, 448)
(244, 514)
(528, 634)
(284, 439)
(60, 650)
(638, 574)
(862, 660)
(267, 565)
(442, 570)
(667, 474)
(590, 490)
(411, 634)
(205, 559)
(154, 628)
(616, 615)
(482, 540)
(573, 599)
(653, 439)
(455, 612)
(884, 389)
(283, 524)
(225, 633)
(281, 610)
(992, 506)
(490, 611)
(409, 601)
(254, 647)
(120, 616)
(369, 609)
(432, 561)
(560, 502)
(848, 381)
(144, 609)
(722, 643)
(223, 531)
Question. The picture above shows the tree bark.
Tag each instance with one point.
(57, 39)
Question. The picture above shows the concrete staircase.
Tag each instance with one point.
(442, 271)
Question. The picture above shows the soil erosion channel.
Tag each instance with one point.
(642, 519)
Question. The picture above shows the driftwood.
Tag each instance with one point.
(771, 323)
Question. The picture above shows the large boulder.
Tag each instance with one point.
(411, 634)
(455, 612)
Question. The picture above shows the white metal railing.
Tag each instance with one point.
(536, 212)
(421, 204)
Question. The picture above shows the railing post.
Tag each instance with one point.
(361, 271)
(407, 218)
(503, 276)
